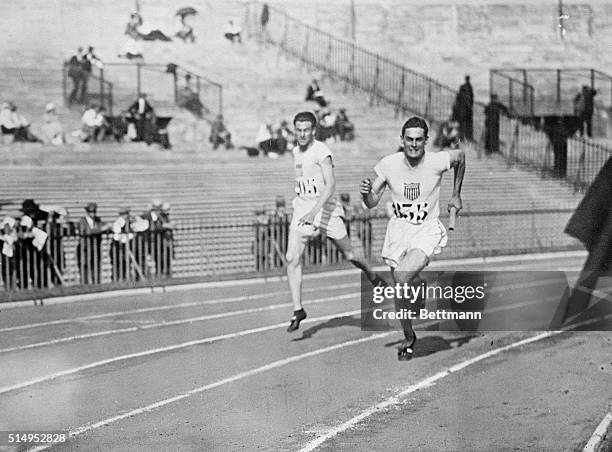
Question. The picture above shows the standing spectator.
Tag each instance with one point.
(464, 110)
(584, 106)
(143, 115)
(492, 113)
(8, 237)
(121, 255)
(233, 33)
(160, 246)
(219, 134)
(264, 138)
(75, 73)
(187, 98)
(89, 248)
(52, 129)
(89, 60)
(265, 18)
(315, 93)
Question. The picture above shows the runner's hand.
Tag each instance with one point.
(365, 187)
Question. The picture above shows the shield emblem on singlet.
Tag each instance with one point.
(412, 190)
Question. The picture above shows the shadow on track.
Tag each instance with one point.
(333, 323)
(428, 345)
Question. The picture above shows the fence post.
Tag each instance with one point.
(558, 86)
(510, 94)
(138, 79)
(220, 99)
(328, 56)
(374, 87)
(110, 99)
(400, 94)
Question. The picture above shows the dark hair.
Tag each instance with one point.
(415, 122)
(306, 116)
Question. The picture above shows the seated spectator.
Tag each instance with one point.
(448, 135)
(326, 131)
(131, 50)
(219, 134)
(15, 124)
(132, 26)
(345, 129)
(285, 138)
(185, 32)
(187, 98)
(143, 115)
(95, 125)
(315, 94)
(118, 126)
(53, 132)
(233, 32)
(264, 138)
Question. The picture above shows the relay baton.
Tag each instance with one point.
(452, 216)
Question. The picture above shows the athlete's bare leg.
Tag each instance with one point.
(407, 272)
(295, 249)
(358, 260)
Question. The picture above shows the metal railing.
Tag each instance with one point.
(96, 88)
(513, 92)
(406, 90)
(70, 262)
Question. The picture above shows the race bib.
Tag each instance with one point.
(413, 212)
(306, 186)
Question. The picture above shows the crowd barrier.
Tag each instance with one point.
(198, 250)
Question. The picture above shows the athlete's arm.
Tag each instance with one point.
(457, 162)
(327, 169)
(371, 192)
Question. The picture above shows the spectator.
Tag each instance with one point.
(493, 112)
(186, 31)
(94, 123)
(128, 253)
(326, 130)
(448, 135)
(89, 248)
(584, 106)
(132, 26)
(315, 94)
(233, 32)
(285, 138)
(187, 98)
(345, 129)
(160, 246)
(219, 134)
(265, 18)
(264, 138)
(143, 116)
(76, 74)
(132, 50)
(8, 237)
(52, 129)
(463, 110)
(15, 124)
(88, 60)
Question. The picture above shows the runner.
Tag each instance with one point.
(314, 209)
(415, 233)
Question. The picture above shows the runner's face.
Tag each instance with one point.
(304, 132)
(414, 140)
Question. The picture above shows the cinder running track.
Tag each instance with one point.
(214, 369)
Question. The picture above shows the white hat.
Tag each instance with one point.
(8, 220)
(50, 106)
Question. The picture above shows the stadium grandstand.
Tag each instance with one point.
(171, 337)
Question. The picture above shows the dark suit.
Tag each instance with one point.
(89, 250)
(144, 121)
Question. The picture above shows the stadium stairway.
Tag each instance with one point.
(226, 186)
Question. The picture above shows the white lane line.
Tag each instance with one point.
(233, 378)
(168, 307)
(397, 399)
(171, 323)
(169, 348)
(599, 434)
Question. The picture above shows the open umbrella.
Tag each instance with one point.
(187, 11)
